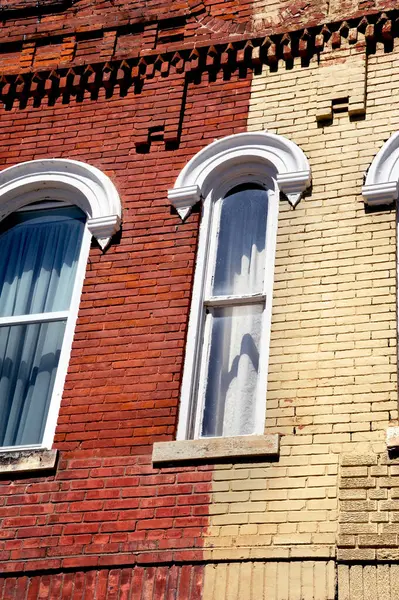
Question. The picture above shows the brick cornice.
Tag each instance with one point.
(12, 8)
(230, 52)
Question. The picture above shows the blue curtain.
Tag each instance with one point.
(39, 251)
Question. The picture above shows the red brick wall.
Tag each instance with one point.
(123, 386)
(106, 506)
(157, 583)
(103, 512)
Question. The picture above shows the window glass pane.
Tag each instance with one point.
(230, 396)
(29, 357)
(38, 258)
(240, 257)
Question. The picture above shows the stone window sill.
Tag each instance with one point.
(254, 446)
(23, 461)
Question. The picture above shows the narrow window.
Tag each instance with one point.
(239, 179)
(233, 314)
(39, 255)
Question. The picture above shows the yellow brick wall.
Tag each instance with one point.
(306, 580)
(332, 385)
(369, 508)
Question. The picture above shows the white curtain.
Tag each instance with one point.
(234, 353)
(38, 257)
(38, 260)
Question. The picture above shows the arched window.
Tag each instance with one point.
(234, 303)
(225, 373)
(44, 245)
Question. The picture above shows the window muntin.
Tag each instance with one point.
(40, 251)
(233, 315)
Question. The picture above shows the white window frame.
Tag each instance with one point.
(73, 183)
(275, 163)
(197, 353)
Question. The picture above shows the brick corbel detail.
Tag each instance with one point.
(159, 110)
(341, 82)
(26, 56)
(108, 45)
(227, 54)
(68, 49)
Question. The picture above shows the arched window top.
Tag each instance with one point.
(381, 185)
(244, 156)
(66, 180)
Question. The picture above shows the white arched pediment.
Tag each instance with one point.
(243, 153)
(381, 185)
(67, 180)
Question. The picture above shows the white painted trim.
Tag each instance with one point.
(65, 180)
(264, 351)
(243, 152)
(200, 385)
(4, 449)
(61, 315)
(195, 330)
(381, 185)
(246, 299)
(184, 198)
(207, 316)
(66, 348)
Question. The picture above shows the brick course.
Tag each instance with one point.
(103, 511)
(123, 88)
(159, 583)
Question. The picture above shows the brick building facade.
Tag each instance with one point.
(307, 509)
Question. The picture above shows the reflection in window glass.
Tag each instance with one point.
(240, 257)
(230, 396)
(29, 356)
(38, 262)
